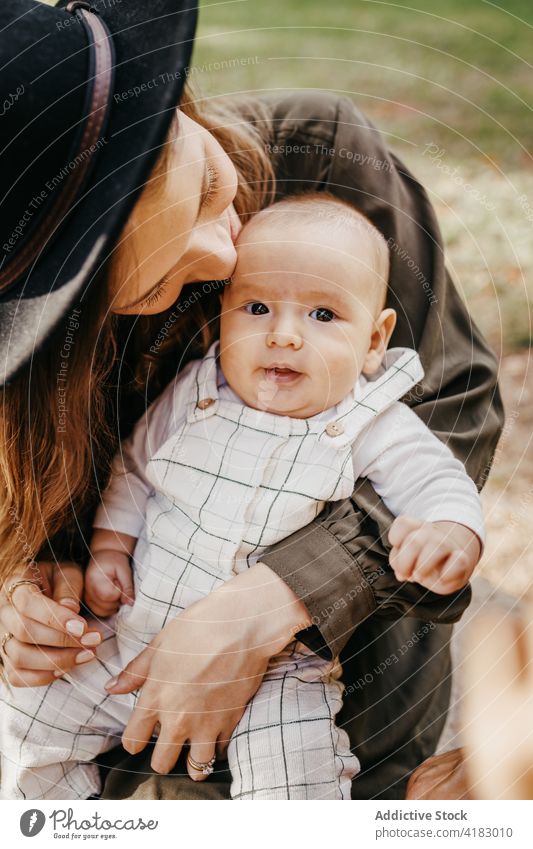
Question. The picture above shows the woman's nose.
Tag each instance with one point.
(211, 256)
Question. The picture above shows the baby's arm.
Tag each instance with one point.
(438, 535)
(121, 514)
(108, 579)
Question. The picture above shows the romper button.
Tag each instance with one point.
(204, 403)
(334, 429)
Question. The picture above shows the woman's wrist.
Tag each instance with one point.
(269, 611)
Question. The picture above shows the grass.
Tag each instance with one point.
(451, 71)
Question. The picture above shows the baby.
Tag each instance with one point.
(297, 400)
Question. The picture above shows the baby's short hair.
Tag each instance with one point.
(324, 206)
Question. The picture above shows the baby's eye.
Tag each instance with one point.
(256, 308)
(322, 314)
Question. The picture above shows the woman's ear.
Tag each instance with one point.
(381, 334)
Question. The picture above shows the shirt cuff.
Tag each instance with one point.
(119, 521)
(329, 581)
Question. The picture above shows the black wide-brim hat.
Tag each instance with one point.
(88, 93)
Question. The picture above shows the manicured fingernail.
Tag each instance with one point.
(84, 656)
(111, 683)
(58, 673)
(70, 602)
(92, 639)
(75, 627)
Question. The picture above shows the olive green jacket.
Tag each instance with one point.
(393, 638)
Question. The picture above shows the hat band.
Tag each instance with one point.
(98, 98)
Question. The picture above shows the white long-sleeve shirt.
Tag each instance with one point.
(206, 483)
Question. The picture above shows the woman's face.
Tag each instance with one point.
(185, 233)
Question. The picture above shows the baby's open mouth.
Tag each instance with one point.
(282, 375)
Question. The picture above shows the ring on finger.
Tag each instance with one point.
(5, 639)
(206, 768)
(12, 587)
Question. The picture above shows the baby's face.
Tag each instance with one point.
(300, 317)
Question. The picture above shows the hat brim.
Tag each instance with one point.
(153, 45)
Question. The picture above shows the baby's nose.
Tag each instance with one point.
(284, 339)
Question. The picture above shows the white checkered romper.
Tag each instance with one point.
(206, 484)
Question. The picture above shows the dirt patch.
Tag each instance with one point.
(508, 495)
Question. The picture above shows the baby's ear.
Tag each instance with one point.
(381, 334)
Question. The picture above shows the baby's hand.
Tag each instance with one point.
(439, 555)
(108, 582)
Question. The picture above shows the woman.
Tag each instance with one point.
(156, 211)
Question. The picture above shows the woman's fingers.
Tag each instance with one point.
(133, 675)
(139, 729)
(29, 601)
(29, 631)
(200, 753)
(167, 749)
(27, 677)
(25, 656)
(67, 585)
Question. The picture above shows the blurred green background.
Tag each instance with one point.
(454, 74)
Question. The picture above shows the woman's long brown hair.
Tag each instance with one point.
(58, 428)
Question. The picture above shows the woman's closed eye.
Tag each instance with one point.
(154, 296)
(212, 186)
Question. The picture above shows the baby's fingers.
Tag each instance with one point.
(403, 559)
(453, 574)
(124, 580)
(401, 528)
(99, 607)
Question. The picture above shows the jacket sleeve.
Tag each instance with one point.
(338, 564)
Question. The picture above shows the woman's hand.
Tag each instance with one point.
(440, 777)
(199, 673)
(49, 635)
